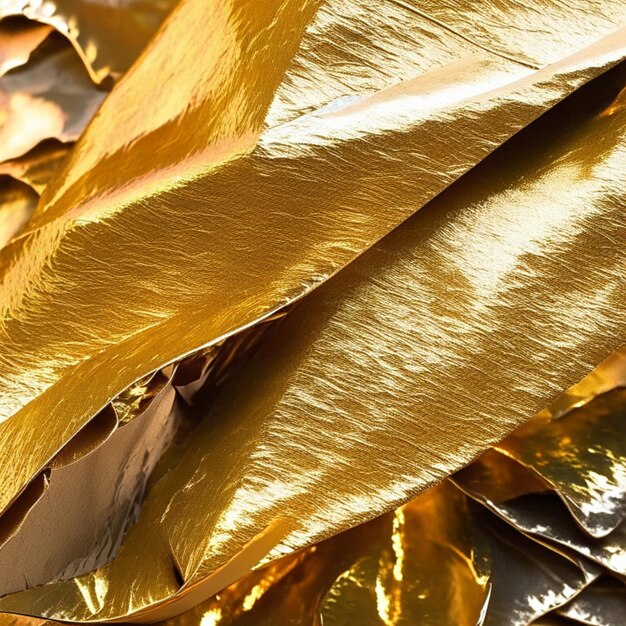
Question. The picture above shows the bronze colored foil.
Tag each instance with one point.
(18, 39)
(528, 580)
(498, 478)
(107, 36)
(603, 603)
(73, 516)
(370, 368)
(545, 517)
(154, 180)
(50, 97)
(583, 456)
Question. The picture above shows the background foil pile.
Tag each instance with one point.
(313, 312)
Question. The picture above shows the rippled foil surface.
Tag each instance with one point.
(304, 194)
(270, 173)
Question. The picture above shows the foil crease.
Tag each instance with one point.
(431, 308)
(145, 165)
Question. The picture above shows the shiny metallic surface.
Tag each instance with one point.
(18, 39)
(189, 197)
(528, 580)
(583, 456)
(436, 560)
(269, 173)
(394, 570)
(38, 166)
(257, 477)
(406, 578)
(603, 603)
(50, 97)
(17, 204)
(108, 36)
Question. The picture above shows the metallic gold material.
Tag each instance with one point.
(611, 373)
(107, 36)
(134, 177)
(17, 204)
(50, 97)
(498, 478)
(405, 577)
(18, 39)
(546, 517)
(583, 455)
(401, 358)
(393, 570)
(78, 510)
(434, 561)
(363, 371)
(528, 579)
(37, 167)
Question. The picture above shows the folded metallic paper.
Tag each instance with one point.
(312, 312)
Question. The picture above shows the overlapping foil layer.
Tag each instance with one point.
(274, 300)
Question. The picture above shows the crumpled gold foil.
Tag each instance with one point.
(583, 455)
(18, 39)
(153, 178)
(107, 36)
(402, 356)
(38, 166)
(17, 204)
(50, 97)
(255, 476)
(601, 604)
(437, 560)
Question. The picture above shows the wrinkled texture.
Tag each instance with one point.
(270, 488)
(493, 287)
(137, 192)
(104, 471)
(17, 203)
(434, 561)
(372, 574)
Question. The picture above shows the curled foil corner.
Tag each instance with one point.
(107, 37)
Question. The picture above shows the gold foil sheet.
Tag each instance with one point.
(583, 455)
(38, 166)
(72, 517)
(17, 204)
(107, 36)
(436, 560)
(256, 474)
(101, 213)
(601, 604)
(80, 211)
